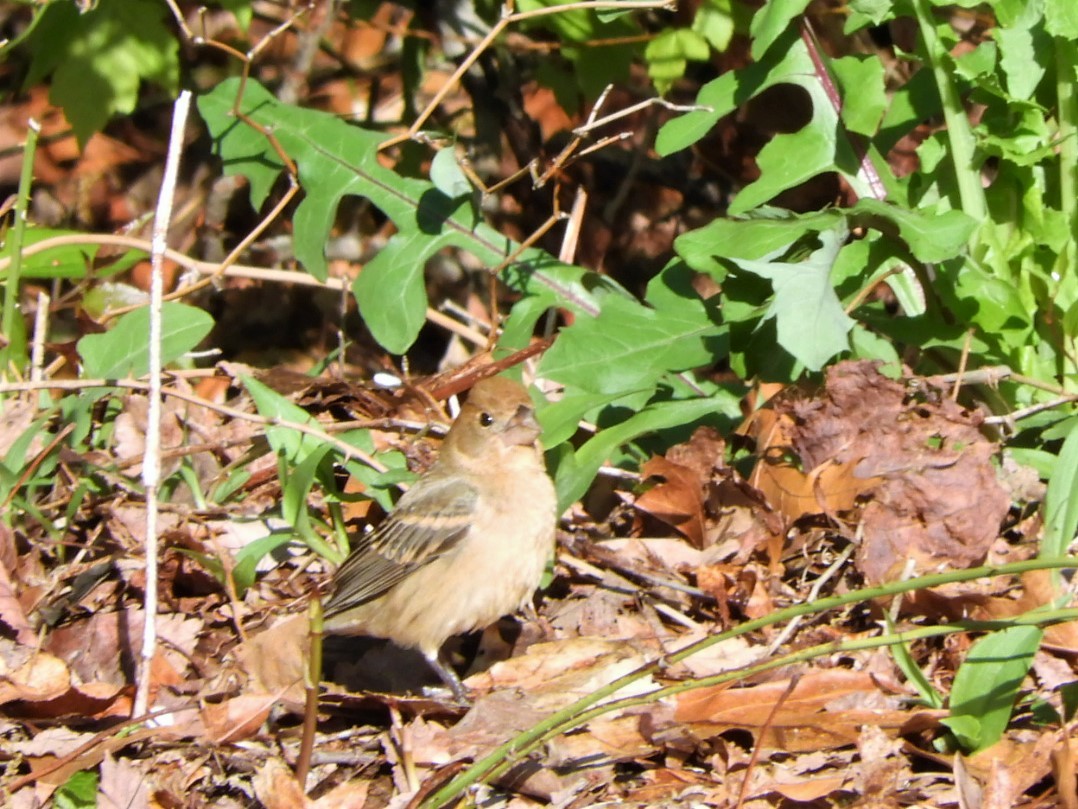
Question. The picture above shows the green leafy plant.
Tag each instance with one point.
(970, 265)
(97, 57)
(987, 685)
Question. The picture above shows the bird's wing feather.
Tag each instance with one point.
(430, 519)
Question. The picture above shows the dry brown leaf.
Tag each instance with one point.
(274, 659)
(678, 501)
(277, 788)
(809, 789)
(11, 610)
(805, 720)
(123, 785)
(1007, 769)
(350, 795)
(42, 677)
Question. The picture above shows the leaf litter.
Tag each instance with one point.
(697, 554)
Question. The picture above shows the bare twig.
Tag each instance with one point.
(151, 467)
(508, 17)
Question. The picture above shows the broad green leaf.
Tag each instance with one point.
(861, 81)
(714, 21)
(668, 54)
(391, 290)
(68, 261)
(287, 442)
(771, 22)
(987, 685)
(930, 236)
(1024, 54)
(1061, 19)
(79, 791)
(124, 350)
(336, 159)
(812, 325)
(705, 249)
(788, 160)
(628, 347)
(98, 58)
(560, 419)
(723, 95)
(576, 470)
(864, 13)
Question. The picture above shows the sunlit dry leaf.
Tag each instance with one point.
(237, 718)
(805, 719)
(1009, 768)
(678, 500)
(123, 785)
(42, 677)
(882, 770)
(350, 795)
(557, 673)
(276, 787)
(810, 789)
(274, 658)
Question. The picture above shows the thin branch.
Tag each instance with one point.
(151, 467)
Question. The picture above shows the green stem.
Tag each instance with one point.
(1066, 61)
(13, 355)
(587, 707)
(959, 132)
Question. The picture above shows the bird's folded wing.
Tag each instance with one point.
(430, 519)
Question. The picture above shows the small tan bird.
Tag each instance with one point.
(466, 544)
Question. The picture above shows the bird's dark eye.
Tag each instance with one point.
(486, 419)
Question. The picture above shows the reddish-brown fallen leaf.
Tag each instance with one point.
(11, 610)
(678, 500)
(806, 719)
(922, 464)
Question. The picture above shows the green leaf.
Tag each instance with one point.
(446, 174)
(287, 442)
(1024, 53)
(788, 159)
(79, 791)
(99, 58)
(864, 96)
(705, 249)
(124, 350)
(628, 347)
(1061, 18)
(396, 274)
(668, 54)
(930, 236)
(576, 470)
(1061, 501)
(714, 21)
(771, 22)
(245, 564)
(336, 159)
(67, 261)
(914, 676)
(987, 685)
(864, 13)
(812, 325)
